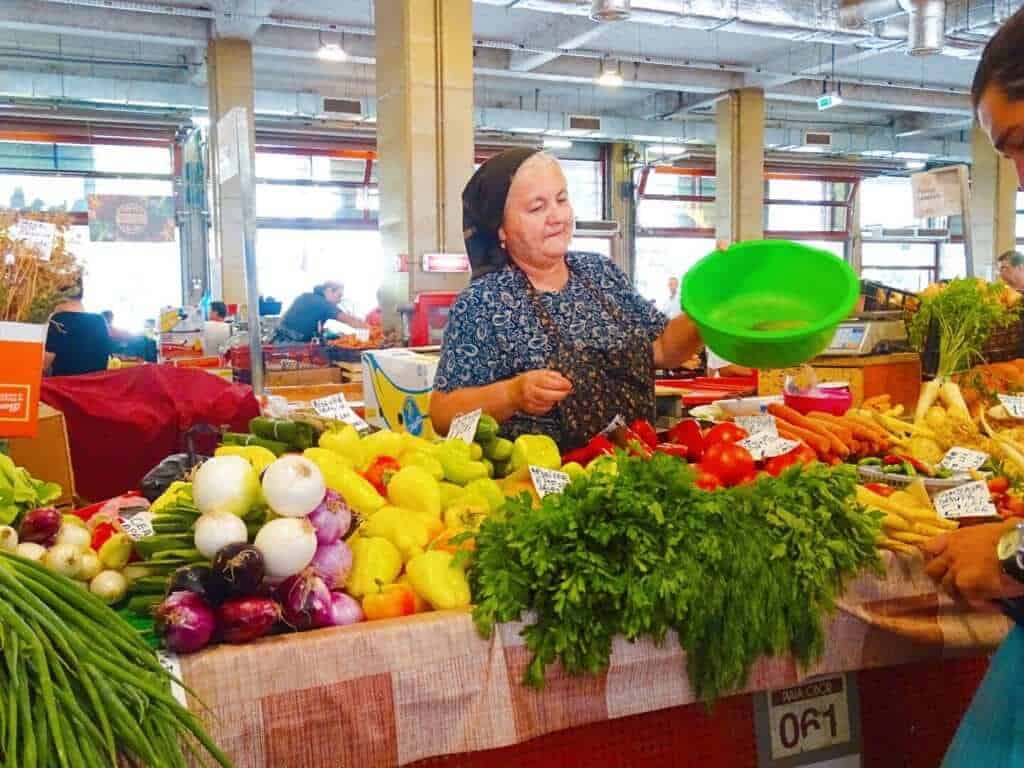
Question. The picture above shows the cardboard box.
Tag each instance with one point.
(302, 378)
(47, 456)
(397, 384)
(21, 372)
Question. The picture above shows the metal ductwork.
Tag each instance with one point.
(609, 10)
(925, 21)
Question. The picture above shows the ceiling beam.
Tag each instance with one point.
(526, 62)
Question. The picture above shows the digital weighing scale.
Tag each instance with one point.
(869, 333)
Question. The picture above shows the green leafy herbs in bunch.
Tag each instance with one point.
(736, 574)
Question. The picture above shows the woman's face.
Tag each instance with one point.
(539, 220)
(333, 293)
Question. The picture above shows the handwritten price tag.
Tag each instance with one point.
(172, 664)
(1014, 405)
(765, 445)
(464, 426)
(39, 235)
(336, 407)
(548, 480)
(761, 422)
(138, 526)
(963, 459)
(968, 500)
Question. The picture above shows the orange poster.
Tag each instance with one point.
(21, 373)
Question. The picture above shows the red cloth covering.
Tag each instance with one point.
(123, 423)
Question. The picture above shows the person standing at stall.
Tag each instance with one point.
(77, 341)
(544, 339)
(671, 307)
(1011, 269)
(308, 313)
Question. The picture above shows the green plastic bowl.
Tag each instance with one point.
(769, 303)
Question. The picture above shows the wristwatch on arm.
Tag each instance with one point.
(1011, 552)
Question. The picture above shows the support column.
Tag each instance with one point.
(622, 206)
(993, 203)
(739, 205)
(424, 138)
(229, 65)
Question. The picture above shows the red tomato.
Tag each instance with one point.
(706, 481)
(999, 485)
(726, 432)
(799, 455)
(728, 462)
(1001, 500)
(1015, 506)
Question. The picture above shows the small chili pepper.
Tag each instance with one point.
(881, 489)
(891, 460)
(917, 464)
(673, 449)
(598, 445)
(687, 432)
(644, 430)
(380, 471)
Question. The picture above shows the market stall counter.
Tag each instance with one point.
(401, 691)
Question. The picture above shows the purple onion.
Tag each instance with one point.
(247, 618)
(40, 526)
(332, 563)
(239, 568)
(185, 622)
(305, 600)
(331, 518)
(344, 610)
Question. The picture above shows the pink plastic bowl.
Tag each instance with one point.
(834, 401)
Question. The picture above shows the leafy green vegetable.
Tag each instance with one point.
(966, 313)
(736, 574)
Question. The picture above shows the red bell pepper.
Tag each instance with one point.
(645, 431)
(100, 535)
(687, 432)
(380, 471)
(599, 445)
(673, 449)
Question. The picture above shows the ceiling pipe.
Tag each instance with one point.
(610, 10)
(926, 28)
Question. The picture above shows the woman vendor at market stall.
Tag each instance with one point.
(545, 339)
(307, 314)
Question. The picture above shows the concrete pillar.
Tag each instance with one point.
(622, 206)
(424, 138)
(993, 203)
(229, 66)
(855, 250)
(739, 157)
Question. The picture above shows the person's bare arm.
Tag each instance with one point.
(533, 392)
(678, 343)
(352, 320)
(48, 358)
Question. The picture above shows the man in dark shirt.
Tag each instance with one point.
(77, 341)
(307, 314)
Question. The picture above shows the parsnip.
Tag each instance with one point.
(893, 522)
(899, 547)
(929, 393)
(953, 398)
(908, 537)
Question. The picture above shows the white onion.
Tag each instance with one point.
(293, 486)
(287, 545)
(215, 530)
(90, 566)
(109, 586)
(8, 538)
(63, 559)
(31, 551)
(225, 484)
(74, 535)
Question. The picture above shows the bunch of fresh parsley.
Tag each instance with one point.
(736, 574)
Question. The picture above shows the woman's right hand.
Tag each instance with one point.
(537, 392)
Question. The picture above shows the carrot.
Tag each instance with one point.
(869, 427)
(834, 425)
(857, 430)
(819, 444)
(793, 417)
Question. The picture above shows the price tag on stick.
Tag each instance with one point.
(138, 526)
(765, 445)
(336, 407)
(464, 426)
(1014, 405)
(968, 500)
(963, 460)
(548, 480)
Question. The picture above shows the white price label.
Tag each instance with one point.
(963, 460)
(336, 407)
(765, 445)
(617, 423)
(39, 235)
(138, 526)
(1014, 405)
(761, 422)
(464, 426)
(172, 664)
(548, 480)
(809, 717)
(968, 500)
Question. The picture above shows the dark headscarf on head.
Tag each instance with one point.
(483, 209)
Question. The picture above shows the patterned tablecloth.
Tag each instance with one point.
(393, 692)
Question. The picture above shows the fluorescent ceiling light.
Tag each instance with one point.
(812, 150)
(557, 144)
(331, 52)
(611, 73)
(915, 165)
(876, 153)
(911, 155)
(200, 121)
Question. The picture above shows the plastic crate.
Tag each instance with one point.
(1003, 344)
(283, 357)
(880, 298)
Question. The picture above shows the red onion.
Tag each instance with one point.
(185, 622)
(332, 563)
(344, 610)
(331, 518)
(247, 618)
(305, 600)
(40, 526)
